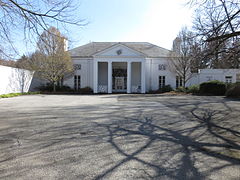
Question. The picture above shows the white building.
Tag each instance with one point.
(224, 75)
(130, 67)
(121, 67)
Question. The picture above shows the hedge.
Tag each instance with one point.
(233, 91)
(194, 89)
(164, 89)
(216, 88)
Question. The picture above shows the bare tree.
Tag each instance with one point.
(225, 22)
(29, 17)
(9, 63)
(197, 59)
(181, 57)
(217, 26)
(51, 62)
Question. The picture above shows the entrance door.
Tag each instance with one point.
(119, 83)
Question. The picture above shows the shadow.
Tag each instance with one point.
(216, 130)
(132, 137)
(19, 80)
(147, 129)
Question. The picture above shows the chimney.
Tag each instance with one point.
(65, 44)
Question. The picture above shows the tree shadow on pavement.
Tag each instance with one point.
(151, 131)
(124, 140)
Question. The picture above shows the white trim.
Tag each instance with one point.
(143, 83)
(119, 45)
(118, 57)
(127, 59)
(129, 78)
(95, 76)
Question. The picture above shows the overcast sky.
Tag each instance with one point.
(154, 21)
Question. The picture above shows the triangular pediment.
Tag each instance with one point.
(119, 50)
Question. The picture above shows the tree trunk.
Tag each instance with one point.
(54, 87)
(184, 79)
(184, 83)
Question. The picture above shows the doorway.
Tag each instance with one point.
(119, 77)
(119, 83)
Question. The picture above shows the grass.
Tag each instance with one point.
(17, 94)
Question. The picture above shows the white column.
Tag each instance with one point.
(109, 77)
(143, 82)
(95, 76)
(129, 78)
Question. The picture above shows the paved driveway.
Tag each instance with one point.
(119, 137)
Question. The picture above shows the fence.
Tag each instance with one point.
(14, 80)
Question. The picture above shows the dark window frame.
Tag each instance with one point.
(77, 66)
(161, 81)
(77, 82)
(162, 67)
(179, 81)
(228, 79)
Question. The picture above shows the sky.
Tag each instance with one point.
(154, 21)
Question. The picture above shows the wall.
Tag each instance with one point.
(153, 73)
(103, 73)
(14, 80)
(86, 73)
(205, 75)
(136, 74)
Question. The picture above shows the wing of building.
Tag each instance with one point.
(127, 67)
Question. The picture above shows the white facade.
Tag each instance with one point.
(121, 68)
(14, 80)
(142, 73)
(224, 75)
(154, 72)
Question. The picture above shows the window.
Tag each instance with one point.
(228, 79)
(161, 81)
(162, 67)
(179, 81)
(77, 82)
(77, 66)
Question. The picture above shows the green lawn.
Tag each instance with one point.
(17, 94)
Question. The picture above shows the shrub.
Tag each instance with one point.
(229, 85)
(85, 90)
(153, 92)
(166, 88)
(181, 89)
(194, 89)
(216, 88)
(45, 88)
(64, 88)
(234, 91)
(49, 88)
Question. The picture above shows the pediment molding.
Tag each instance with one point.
(119, 50)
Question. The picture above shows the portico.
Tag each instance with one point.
(126, 76)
